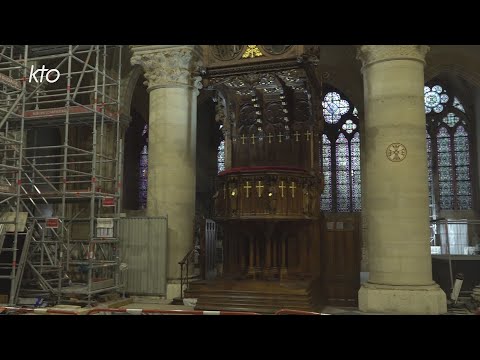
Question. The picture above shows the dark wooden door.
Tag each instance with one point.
(341, 259)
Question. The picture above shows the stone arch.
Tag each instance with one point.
(128, 88)
(468, 75)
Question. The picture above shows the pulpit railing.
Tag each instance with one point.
(185, 265)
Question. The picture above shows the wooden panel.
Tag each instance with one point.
(341, 260)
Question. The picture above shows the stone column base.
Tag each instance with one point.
(173, 289)
(420, 300)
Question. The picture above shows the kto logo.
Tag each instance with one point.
(48, 77)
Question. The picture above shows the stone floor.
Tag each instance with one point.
(146, 302)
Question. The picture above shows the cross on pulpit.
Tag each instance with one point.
(307, 134)
(293, 189)
(296, 136)
(280, 137)
(247, 187)
(269, 136)
(259, 188)
(282, 187)
(243, 138)
(253, 138)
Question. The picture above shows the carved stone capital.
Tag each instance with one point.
(370, 54)
(169, 66)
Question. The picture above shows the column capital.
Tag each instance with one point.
(169, 65)
(370, 54)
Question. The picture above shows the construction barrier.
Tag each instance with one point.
(10, 310)
(166, 312)
(297, 312)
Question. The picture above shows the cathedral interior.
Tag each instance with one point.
(266, 179)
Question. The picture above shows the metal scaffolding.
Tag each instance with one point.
(60, 171)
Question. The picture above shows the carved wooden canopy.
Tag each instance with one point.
(268, 103)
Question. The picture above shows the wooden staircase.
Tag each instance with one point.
(258, 296)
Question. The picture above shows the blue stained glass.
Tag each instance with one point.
(446, 202)
(462, 173)
(458, 104)
(445, 169)
(334, 107)
(349, 126)
(343, 173)
(451, 119)
(429, 160)
(464, 202)
(326, 156)
(221, 157)
(434, 98)
(143, 178)
(462, 167)
(356, 177)
(464, 188)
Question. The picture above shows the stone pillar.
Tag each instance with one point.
(173, 91)
(396, 188)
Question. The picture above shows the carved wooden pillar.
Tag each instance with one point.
(226, 260)
(283, 269)
(268, 255)
(251, 268)
(274, 270)
(243, 253)
(257, 256)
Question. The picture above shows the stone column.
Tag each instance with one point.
(396, 188)
(173, 91)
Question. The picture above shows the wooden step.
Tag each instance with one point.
(257, 296)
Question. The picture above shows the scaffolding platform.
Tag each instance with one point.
(61, 164)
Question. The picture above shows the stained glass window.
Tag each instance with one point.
(334, 107)
(444, 165)
(463, 185)
(340, 155)
(458, 104)
(429, 161)
(343, 173)
(221, 157)
(449, 153)
(143, 176)
(349, 126)
(326, 158)
(451, 119)
(434, 98)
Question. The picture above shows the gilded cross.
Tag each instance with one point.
(307, 134)
(253, 138)
(280, 137)
(293, 189)
(269, 136)
(247, 187)
(243, 138)
(259, 188)
(296, 136)
(282, 187)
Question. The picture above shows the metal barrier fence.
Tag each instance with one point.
(144, 249)
(455, 237)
